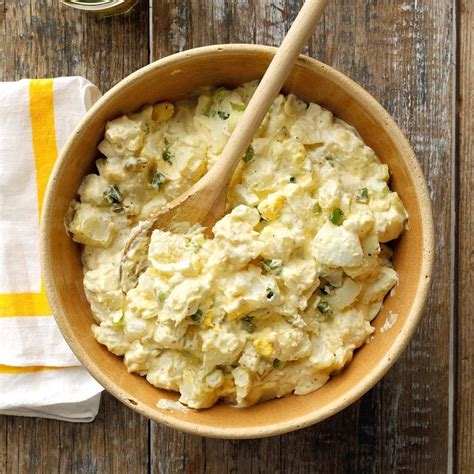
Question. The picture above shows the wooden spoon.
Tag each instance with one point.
(204, 203)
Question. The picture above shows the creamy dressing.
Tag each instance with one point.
(297, 269)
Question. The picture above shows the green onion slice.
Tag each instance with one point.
(324, 308)
(196, 317)
(238, 107)
(113, 195)
(336, 216)
(247, 324)
(249, 154)
(272, 265)
(362, 195)
(157, 180)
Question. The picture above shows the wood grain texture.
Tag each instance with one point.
(117, 441)
(43, 39)
(46, 446)
(27, 442)
(465, 332)
(3, 442)
(392, 49)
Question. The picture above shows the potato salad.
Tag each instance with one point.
(285, 290)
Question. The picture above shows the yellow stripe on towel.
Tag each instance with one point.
(43, 131)
(11, 369)
(25, 304)
(45, 151)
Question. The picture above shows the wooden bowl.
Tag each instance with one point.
(180, 76)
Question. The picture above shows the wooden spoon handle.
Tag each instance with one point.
(268, 89)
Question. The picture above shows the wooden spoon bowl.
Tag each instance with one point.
(181, 76)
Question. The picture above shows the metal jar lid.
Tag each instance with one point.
(102, 7)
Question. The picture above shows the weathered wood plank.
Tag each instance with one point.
(393, 49)
(117, 441)
(33, 445)
(44, 39)
(172, 451)
(3, 441)
(465, 333)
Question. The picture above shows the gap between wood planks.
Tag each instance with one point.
(452, 388)
(150, 31)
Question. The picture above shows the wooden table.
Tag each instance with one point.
(416, 57)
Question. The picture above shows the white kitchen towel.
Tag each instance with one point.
(39, 375)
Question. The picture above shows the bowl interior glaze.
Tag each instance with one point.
(181, 76)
